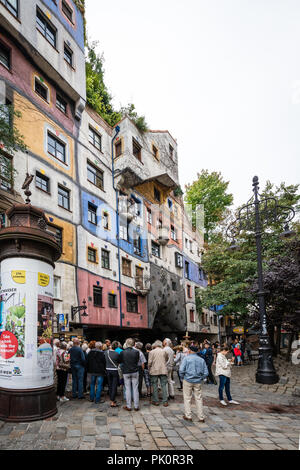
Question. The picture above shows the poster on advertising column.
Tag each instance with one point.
(26, 313)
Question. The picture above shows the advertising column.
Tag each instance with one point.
(26, 295)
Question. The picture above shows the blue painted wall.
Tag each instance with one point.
(77, 32)
(194, 274)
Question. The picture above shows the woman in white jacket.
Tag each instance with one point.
(223, 370)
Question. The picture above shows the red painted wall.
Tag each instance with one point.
(106, 316)
(21, 75)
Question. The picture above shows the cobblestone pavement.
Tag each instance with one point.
(264, 420)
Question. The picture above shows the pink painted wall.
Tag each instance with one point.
(21, 75)
(106, 316)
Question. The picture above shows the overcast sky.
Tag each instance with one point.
(223, 76)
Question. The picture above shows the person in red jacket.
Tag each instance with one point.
(238, 354)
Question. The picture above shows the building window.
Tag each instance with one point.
(132, 302)
(126, 267)
(174, 286)
(2, 220)
(64, 198)
(68, 55)
(136, 149)
(6, 173)
(118, 148)
(4, 55)
(157, 195)
(171, 151)
(149, 216)
(95, 176)
(189, 291)
(41, 89)
(92, 255)
(155, 152)
(95, 139)
(173, 233)
(56, 148)
(187, 270)
(191, 246)
(67, 11)
(105, 220)
(178, 260)
(97, 296)
(159, 223)
(155, 249)
(57, 232)
(192, 316)
(12, 6)
(92, 214)
(123, 230)
(61, 104)
(112, 301)
(137, 246)
(105, 259)
(57, 287)
(46, 28)
(42, 182)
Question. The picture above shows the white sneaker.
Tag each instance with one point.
(223, 403)
(65, 399)
(232, 402)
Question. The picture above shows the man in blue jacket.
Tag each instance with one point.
(192, 371)
(77, 362)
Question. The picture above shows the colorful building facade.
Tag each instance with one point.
(110, 194)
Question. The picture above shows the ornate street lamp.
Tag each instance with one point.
(80, 308)
(251, 218)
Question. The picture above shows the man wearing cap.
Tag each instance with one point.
(192, 372)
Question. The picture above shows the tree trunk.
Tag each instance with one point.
(278, 339)
(289, 347)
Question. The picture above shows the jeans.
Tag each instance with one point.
(98, 382)
(77, 381)
(224, 382)
(131, 382)
(113, 381)
(164, 385)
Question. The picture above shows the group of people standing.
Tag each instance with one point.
(98, 364)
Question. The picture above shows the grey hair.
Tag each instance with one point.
(98, 345)
(168, 341)
(63, 345)
(139, 345)
(129, 343)
(84, 347)
(157, 344)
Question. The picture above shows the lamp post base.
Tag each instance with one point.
(266, 373)
(23, 406)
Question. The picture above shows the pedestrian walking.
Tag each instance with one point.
(84, 348)
(193, 371)
(112, 372)
(167, 343)
(223, 370)
(141, 365)
(209, 359)
(238, 354)
(77, 362)
(157, 366)
(146, 370)
(130, 358)
(96, 371)
(180, 355)
(62, 369)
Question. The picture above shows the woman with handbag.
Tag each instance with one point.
(62, 368)
(112, 372)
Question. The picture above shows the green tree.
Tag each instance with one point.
(210, 190)
(140, 121)
(232, 273)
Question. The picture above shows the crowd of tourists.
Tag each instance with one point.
(96, 365)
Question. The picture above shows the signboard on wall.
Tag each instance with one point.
(26, 314)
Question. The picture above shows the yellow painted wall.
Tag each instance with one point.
(31, 126)
(147, 190)
(69, 238)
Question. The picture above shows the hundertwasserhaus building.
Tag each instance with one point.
(110, 194)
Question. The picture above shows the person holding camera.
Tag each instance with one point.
(223, 370)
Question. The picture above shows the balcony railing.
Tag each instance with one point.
(142, 285)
